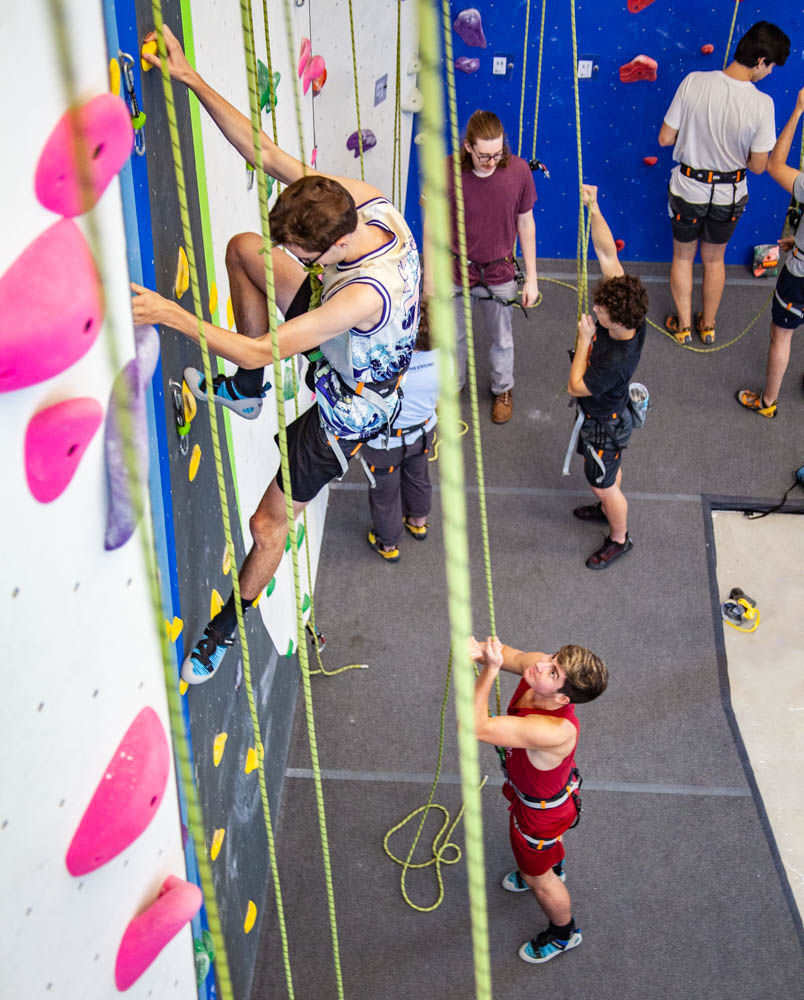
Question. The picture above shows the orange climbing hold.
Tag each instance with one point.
(650, 161)
(620, 244)
(707, 50)
(635, 6)
(640, 68)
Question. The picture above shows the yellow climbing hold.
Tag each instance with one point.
(183, 685)
(251, 916)
(173, 629)
(215, 603)
(195, 461)
(251, 760)
(218, 746)
(182, 274)
(188, 400)
(217, 841)
(229, 313)
(114, 77)
(213, 299)
(256, 601)
(226, 565)
(149, 48)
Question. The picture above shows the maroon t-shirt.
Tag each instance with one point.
(491, 205)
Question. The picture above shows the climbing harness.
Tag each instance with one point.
(137, 116)
(788, 306)
(740, 611)
(570, 791)
(491, 295)
(713, 178)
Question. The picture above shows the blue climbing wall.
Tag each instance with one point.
(619, 122)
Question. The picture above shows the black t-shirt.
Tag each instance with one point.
(612, 364)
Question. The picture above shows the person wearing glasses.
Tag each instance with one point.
(499, 195)
(346, 277)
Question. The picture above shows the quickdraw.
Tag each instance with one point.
(137, 116)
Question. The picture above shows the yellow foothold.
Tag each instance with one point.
(215, 603)
(251, 916)
(217, 747)
(213, 299)
(190, 405)
(182, 274)
(256, 601)
(251, 760)
(149, 48)
(174, 629)
(195, 461)
(114, 76)
(229, 313)
(183, 685)
(217, 841)
(227, 562)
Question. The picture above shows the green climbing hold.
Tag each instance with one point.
(300, 536)
(290, 649)
(287, 543)
(271, 587)
(288, 387)
(209, 944)
(268, 96)
(203, 961)
(305, 603)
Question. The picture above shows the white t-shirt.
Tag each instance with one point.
(720, 121)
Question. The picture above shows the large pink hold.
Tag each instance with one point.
(51, 307)
(55, 441)
(147, 934)
(102, 130)
(126, 798)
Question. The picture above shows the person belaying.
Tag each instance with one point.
(606, 356)
(499, 195)
(348, 245)
(540, 735)
(721, 126)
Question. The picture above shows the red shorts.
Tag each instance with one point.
(528, 859)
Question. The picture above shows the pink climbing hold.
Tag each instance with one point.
(650, 161)
(468, 26)
(127, 797)
(467, 65)
(51, 307)
(149, 932)
(635, 6)
(305, 50)
(707, 50)
(103, 128)
(314, 70)
(55, 441)
(640, 68)
(620, 244)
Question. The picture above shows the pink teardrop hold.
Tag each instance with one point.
(55, 441)
(103, 128)
(51, 307)
(147, 934)
(127, 797)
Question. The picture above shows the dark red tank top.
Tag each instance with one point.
(536, 783)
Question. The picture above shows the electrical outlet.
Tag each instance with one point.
(380, 90)
(585, 69)
(499, 65)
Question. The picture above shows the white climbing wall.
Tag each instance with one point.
(81, 657)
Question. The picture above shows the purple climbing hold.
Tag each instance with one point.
(129, 394)
(369, 141)
(469, 26)
(467, 65)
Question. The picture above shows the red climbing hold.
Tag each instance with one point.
(650, 161)
(55, 441)
(707, 50)
(620, 244)
(640, 68)
(127, 797)
(635, 6)
(147, 934)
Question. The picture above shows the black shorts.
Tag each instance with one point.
(791, 289)
(710, 223)
(601, 442)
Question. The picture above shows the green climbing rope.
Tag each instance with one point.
(731, 33)
(524, 77)
(357, 90)
(538, 83)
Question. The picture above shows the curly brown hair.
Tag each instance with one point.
(625, 298)
(483, 125)
(587, 676)
(313, 213)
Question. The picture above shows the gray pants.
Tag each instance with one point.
(497, 320)
(403, 486)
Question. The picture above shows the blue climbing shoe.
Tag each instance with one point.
(544, 947)
(226, 393)
(513, 881)
(205, 659)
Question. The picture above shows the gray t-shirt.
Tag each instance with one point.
(720, 121)
(795, 261)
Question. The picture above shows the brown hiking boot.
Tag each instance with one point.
(503, 407)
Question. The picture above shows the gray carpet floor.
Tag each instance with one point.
(673, 878)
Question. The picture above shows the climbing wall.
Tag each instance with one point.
(82, 659)
(619, 121)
